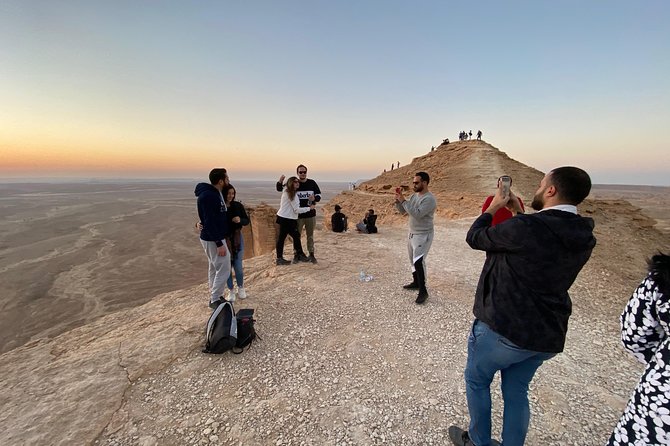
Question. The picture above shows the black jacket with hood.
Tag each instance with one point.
(212, 212)
(531, 262)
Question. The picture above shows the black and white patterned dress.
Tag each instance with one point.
(645, 330)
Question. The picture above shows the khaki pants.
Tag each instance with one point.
(309, 224)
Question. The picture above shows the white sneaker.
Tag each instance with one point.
(241, 293)
(229, 295)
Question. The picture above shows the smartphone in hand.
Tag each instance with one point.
(505, 184)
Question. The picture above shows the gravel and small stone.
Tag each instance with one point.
(345, 362)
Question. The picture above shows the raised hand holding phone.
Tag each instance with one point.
(505, 184)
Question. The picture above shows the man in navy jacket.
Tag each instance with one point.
(522, 304)
(212, 213)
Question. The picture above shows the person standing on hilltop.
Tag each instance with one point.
(510, 209)
(287, 218)
(421, 209)
(237, 218)
(212, 212)
(645, 333)
(309, 194)
(522, 303)
(479, 135)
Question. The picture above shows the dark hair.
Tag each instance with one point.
(572, 183)
(299, 166)
(424, 176)
(217, 175)
(371, 211)
(225, 190)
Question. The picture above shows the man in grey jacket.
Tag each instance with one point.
(421, 208)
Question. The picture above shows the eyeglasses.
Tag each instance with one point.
(302, 172)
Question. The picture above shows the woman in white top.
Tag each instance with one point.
(287, 219)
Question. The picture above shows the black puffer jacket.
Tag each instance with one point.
(531, 262)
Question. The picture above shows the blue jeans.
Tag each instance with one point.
(236, 267)
(489, 352)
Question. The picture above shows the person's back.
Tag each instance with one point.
(338, 221)
(530, 293)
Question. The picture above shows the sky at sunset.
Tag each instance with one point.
(170, 89)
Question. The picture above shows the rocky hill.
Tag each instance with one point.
(461, 173)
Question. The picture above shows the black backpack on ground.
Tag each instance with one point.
(221, 331)
(246, 333)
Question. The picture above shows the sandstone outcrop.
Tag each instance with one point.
(261, 233)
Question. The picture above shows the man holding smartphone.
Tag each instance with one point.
(513, 207)
(421, 209)
(522, 305)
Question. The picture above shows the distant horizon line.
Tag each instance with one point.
(93, 180)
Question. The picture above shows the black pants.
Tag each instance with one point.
(288, 227)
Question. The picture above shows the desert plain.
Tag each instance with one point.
(105, 307)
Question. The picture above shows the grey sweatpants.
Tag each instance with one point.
(418, 246)
(219, 270)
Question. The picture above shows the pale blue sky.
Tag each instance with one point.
(108, 88)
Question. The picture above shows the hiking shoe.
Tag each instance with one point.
(459, 437)
(421, 298)
(281, 261)
(213, 304)
(241, 293)
(312, 259)
(411, 286)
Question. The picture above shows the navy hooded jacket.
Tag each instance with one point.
(531, 262)
(212, 212)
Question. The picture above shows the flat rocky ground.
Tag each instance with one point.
(340, 362)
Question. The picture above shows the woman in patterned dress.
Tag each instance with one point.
(645, 332)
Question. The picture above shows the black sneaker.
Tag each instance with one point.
(311, 258)
(459, 437)
(411, 286)
(421, 298)
(281, 261)
(300, 258)
(213, 304)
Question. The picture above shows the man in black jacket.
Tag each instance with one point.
(309, 193)
(522, 304)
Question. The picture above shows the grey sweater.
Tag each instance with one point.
(421, 209)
